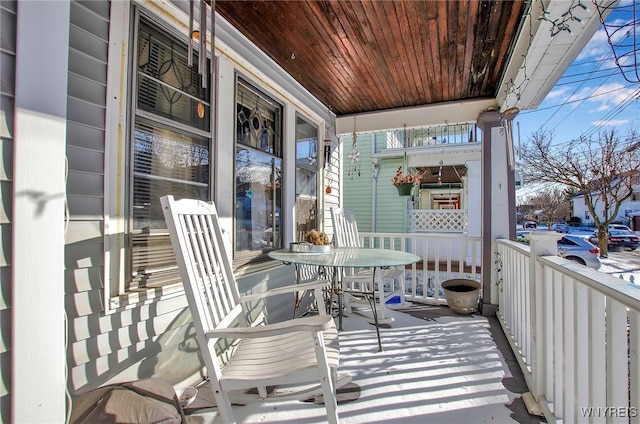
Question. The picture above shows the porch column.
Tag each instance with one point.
(498, 200)
(38, 356)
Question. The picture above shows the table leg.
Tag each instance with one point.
(374, 309)
(296, 304)
(337, 288)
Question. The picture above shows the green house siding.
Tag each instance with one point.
(358, 185)
(390, 209)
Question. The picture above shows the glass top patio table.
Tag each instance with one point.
(350, 257)
(347, 257)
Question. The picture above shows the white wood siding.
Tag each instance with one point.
(37, 239)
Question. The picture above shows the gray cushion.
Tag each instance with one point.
(150, 400)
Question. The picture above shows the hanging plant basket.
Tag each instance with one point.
(404, 189)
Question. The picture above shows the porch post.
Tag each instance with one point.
(38, 356)
(542, 243)
(498, 204)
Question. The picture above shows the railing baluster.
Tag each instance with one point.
(582, 353)
(558, 347)
(598, 352)
(569, 348)
(617, 356)
(634, 364)
(438, 251)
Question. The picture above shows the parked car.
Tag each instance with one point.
(578, 249)
(573, 248)
(619, 238)
(530, 225)
(560, 228)
(619, 227)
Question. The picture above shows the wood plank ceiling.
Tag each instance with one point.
(372, 55)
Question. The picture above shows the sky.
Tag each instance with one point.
(593, 94)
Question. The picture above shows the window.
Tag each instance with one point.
(566, 242)
(258, 172)
(587, 217)
(169, 151)
(635, 196)
(306, 177)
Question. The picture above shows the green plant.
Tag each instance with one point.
(401, 178)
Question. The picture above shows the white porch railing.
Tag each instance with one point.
(444, 256)
(575, 331)
(438, 220)
(440, 135)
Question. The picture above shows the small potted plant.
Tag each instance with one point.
(405, 182)
(318, 239)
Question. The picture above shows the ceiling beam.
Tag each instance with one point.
(421, 116)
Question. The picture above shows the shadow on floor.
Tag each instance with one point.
(516, 383)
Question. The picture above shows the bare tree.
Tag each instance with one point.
(552, 205)
(602, 170)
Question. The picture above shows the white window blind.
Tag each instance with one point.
(170, 150)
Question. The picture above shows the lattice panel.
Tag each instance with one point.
(437, 220)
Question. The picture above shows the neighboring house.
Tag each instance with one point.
(103, 116)
(628, 213)
(456, 195)
(448, 159)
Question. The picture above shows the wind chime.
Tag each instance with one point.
(506, 119)
(201, 35)
(354, 161)
(440, 170)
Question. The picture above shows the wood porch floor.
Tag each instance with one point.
(436, 367)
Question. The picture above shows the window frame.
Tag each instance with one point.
(315, 170)
(139, 117)
(118, 249)
(244, 257)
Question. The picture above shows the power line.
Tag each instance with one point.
(601, 71)
(527, 112)
(615, 112)
(628, 101)
(576, 90)
(613, 71)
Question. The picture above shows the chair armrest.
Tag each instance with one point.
(308, 324)
(320, 284)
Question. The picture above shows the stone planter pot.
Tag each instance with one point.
(404, 189)
(462, 295)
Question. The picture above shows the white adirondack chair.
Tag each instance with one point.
(302, 352)
(389, 282)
